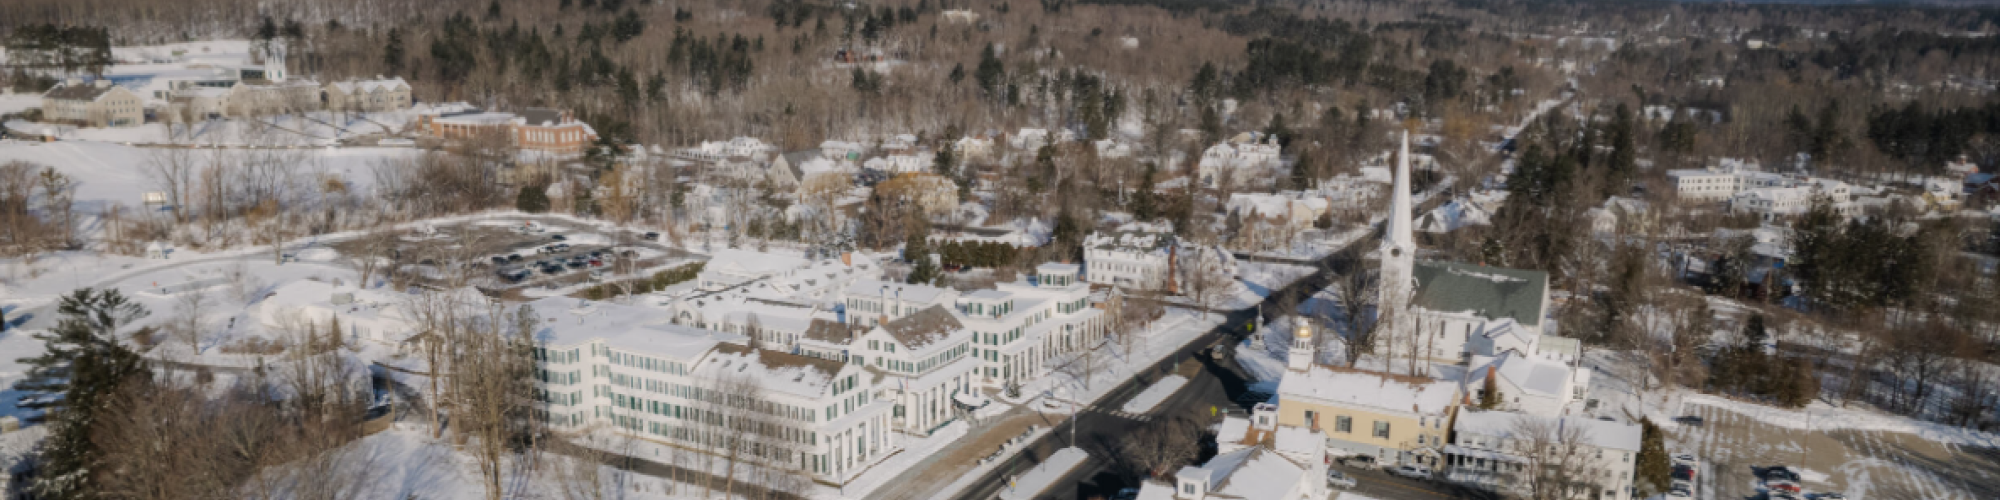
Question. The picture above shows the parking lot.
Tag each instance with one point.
(503, 255)
(1860, 464)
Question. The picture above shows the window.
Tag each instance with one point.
(1382, 429)
(1343, 424)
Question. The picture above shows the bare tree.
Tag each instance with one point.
(1162, 446)
(1356, 292)
(173, 171)
(1207, 282)
(1558, 461)
(490, 381)
(1081, 363)
(367, 254)
(193, 308)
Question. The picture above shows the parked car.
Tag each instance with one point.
(498, 260)
(558, 237)
(1680, 494)
(1686, 459)
(1781, 473)
(655, 236)
(1826, 496)
(1360, 461)
(1684, 473)
(1412, 471)
(1339, 479)
(1126, 494)
(1688, 420)
(1781, 485)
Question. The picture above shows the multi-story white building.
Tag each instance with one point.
(603, 364)
(926, 362)
(1240, 160)
(872, 302)
(1138, 256)
(1018, 327)
(1496, 450)
(1721, 181)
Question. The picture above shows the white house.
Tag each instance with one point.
(1241, 160)
(1252, 473)
(1019, 327)
(872, 302)
(1528, 383)
(1138, 256)
(1495, 450)
(926, 361)
(1722, 180)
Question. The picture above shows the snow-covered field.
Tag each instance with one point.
(116, 173)
(1158, 393)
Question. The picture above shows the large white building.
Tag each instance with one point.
(603, 364)
(1595, 459)
(925, 361)
(1721, 181)
(1138, 256)
(1019, 328)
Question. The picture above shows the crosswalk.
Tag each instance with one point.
(1121, 413)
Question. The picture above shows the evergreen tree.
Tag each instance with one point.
(1145, 203)
(493, 10)
(267, 30)
(84, 363)
(392, 53)
(1302, 171)
(925, 271)
(957, 73)
(990, 71)
(1754, 334)
(1653, 467)
(533, 199)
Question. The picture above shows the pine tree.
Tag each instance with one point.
(957, 73)
(1653, 467)
(392, 53)
(533, 199)
(925, 272)
(84, 363)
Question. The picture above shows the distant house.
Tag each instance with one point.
(1241, 160)
(197, 103)
(536, 129)
(262, 98)
(372, 96)
(93, 104)
(1494, 450)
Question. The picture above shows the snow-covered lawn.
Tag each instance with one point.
(115, 173)
(1031, 484)
(1158, 393)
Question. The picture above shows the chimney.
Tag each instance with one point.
(73, 81)
(847, 259)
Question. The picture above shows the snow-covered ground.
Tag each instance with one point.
(1158, 393)
(1031, 484)
(115, 173)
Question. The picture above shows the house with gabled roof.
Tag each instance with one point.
(368, 95)
(926, 362)
(93, 104)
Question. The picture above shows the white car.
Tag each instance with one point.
(1412, 471)
(1684, 459)
(1338, 479)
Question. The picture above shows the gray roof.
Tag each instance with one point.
(924, 327)
(538, 116)
(1492, 292)
(84, 92)
(830, 332)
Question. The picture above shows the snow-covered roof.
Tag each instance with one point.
(907, 292)
(1543, 377)
(1356, 388)
(787, 373)
(1249, 473)
(359, 86)
(568, 321)
(923, 328)
(1490, 292)
(1598, 433)
(751, 262)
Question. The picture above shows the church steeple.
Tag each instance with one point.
(1399, 223)
(1399, 250)
(1302, 353)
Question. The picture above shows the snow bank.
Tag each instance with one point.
(1031, 484)
(1151, 398)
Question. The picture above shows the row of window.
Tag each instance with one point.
(915, 367)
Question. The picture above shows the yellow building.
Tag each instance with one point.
(1395, 418)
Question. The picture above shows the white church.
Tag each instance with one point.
(1471, 321)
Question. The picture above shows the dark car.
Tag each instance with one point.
(652, 235)
(575, 264)
(1689, 420)
(514, 257)
(499, 259)
(1684, 473)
